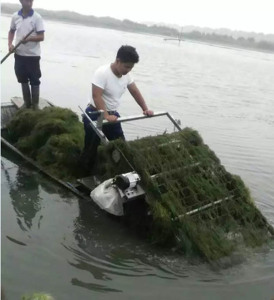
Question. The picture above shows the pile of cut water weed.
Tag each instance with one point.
(53, 137)
(196, 204)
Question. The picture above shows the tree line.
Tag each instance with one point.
(127, 25)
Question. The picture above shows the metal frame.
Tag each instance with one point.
(97, 125)
(201, 208)
(97, 128)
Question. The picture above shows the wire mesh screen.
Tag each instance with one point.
(150, 126)
(195, 203)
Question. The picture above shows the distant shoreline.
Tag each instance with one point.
(233, 47)
(210, 39)
(218, 45)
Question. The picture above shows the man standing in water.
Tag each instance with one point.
(27, 55)
(108, 85)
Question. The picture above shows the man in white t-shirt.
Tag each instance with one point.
(108, 85)
(27, 55)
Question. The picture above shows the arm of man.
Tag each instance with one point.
(10, 40)
(97, 93)
(37, 38)
(136, 94)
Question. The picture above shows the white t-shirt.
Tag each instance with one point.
(113, 86)
(23, 25)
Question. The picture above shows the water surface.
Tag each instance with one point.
(54, 242)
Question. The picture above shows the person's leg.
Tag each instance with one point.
(26, 95)
(34, 74)
(92, 141)
(35, 93)
(20, 67)
(89, 132)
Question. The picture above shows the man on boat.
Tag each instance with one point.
(108, 85)
(27, 55)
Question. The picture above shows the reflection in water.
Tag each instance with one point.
(24, 192)
(91, 255)
(92, 286)
(108, 252)
(15, 241)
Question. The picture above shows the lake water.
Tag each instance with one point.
(54, 242)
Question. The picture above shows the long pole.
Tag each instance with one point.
(4, 58)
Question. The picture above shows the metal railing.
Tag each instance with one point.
(97, 125)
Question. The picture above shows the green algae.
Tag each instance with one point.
(195, 204)
(181, 175)
(53, 137)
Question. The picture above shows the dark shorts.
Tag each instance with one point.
(27, 69)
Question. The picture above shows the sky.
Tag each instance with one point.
(246, 15)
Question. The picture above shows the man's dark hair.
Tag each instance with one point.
(127, 54)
